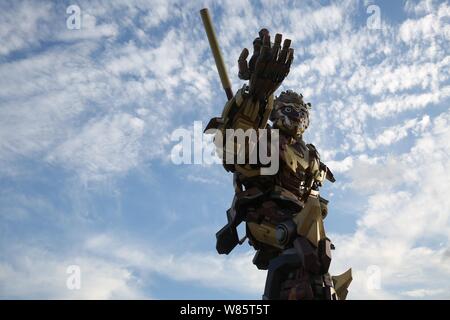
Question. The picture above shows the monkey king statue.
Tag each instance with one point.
(283, 212)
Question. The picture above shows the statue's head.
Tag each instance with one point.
(290, 114)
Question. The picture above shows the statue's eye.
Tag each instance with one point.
(288, 109)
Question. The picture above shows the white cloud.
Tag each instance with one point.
(405, 228)
(429, 27)
(89, 30)
(235, 272)
(119, 269)
(418, 7)
(36, 273)
(307, 23)
(20, 25)
(400, 103)
(108, 146)
(340, 166)
(398, 132)
(65, 89)
(423, 293)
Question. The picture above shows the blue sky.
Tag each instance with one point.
(86, 118)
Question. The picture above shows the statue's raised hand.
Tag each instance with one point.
(268, 66)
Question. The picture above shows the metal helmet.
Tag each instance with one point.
(290, 113)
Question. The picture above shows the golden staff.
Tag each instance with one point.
(214, 45)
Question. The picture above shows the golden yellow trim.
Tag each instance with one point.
(264, 233)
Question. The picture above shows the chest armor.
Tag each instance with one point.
(299, 167)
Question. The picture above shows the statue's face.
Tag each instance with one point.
(291, 118)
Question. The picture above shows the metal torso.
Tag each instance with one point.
(297, 167)
(291, 197)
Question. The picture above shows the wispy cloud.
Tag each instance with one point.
(404, 229)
